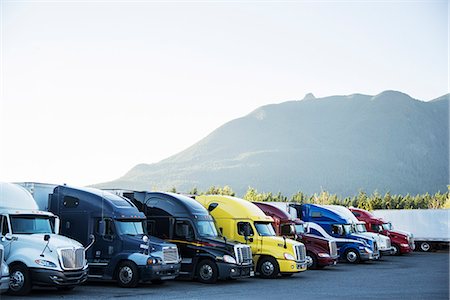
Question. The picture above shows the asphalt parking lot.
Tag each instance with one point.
(414, 276)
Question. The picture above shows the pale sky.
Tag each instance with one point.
(91, 88)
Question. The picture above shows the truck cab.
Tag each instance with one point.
(402, 242)
(359, 248)
(244, 222)
(321, 251)
(383, 242)
(121, 250)
(206, 255)
(32, 247)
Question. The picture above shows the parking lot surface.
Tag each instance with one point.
(414, 276)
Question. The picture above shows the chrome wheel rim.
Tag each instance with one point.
(206, 272)
(351, 256)
(125, 275)
(17, 281)
(425, 247)
(309, 260)
(267, 268)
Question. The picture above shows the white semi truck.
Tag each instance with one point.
(430, 227)
(34, 251)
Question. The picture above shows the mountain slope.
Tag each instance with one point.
(387, 142)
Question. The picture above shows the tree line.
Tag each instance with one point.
(362, 200)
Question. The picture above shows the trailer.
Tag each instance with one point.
(430, 227)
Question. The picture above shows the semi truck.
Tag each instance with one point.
(401, 241)
(4, 272)
(33, 249)
(356, 249)
(206, 256)
(430, 227)
(383, 242)
(244, 222)
(121, 250)
(321, 251)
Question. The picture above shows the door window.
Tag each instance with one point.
(4, 225)
(184, 230)
(242, 227)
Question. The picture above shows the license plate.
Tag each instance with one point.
(252, 273)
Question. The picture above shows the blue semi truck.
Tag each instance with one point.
(121, 249)
(352, 248)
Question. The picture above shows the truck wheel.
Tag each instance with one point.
(127, 274)
(268, 267)
(20, 280)
(397, 250)
(313, 263)
(351, 256)
(425, 247)
(207, 271)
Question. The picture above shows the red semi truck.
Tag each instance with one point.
(322, 251)
(403, 242)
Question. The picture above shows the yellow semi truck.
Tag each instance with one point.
(242, 221)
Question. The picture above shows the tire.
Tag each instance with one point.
(20, 280)
(397, 251)
(127, 274)
(424, 246)
(207, 271)
(314, 262)
(268, 267)
(352, 256)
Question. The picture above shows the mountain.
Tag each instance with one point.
(341, 144)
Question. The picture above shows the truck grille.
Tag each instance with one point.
(412, 245)
(388, 243)
(300, 252)
(72, 258)
(170, 255)
(333, 249)
(243, 254)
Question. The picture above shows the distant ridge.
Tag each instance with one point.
(387, 142)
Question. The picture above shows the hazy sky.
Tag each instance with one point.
(91, 88)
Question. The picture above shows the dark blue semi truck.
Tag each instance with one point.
(352, 247)
(121, 251)
(206, 256)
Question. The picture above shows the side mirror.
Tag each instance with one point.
(102, 228)
(46, 237)
(145, 239)
(8, 236)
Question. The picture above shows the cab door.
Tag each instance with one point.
(246, 234)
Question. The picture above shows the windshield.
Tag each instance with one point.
(31, 224)
(131, 227)
(360, 228)
(387, 226)
(207, 229)
(299, 228)
(264, 229)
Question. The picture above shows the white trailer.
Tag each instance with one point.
(34, 251)
(430, 227)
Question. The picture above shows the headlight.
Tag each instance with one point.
(289, 256)
(229, 259)
(45, 263)
(404, 245)
(323, 255)
(152, 261)
(368, 250)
